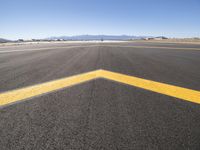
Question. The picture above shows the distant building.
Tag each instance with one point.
(160, 38)
(35, 40)
(20, 40)
(60, 39)
(156, 38)
(148, 38)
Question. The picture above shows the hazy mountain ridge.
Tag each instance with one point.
(4, 40)
(97, 37)
(85, 38)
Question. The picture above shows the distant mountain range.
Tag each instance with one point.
(4, 40)
(98, 37)
(84, 38)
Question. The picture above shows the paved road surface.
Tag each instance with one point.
(100, 114)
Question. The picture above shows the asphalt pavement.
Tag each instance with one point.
(100, 114)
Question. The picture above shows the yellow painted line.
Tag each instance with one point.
(166, 89)
(28, 92)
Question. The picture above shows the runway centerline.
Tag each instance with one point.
(162, 88)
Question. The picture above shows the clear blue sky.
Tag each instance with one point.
(44, 18)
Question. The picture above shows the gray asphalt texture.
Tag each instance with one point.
(100, 114)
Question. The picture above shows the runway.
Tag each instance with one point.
(100, 113)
